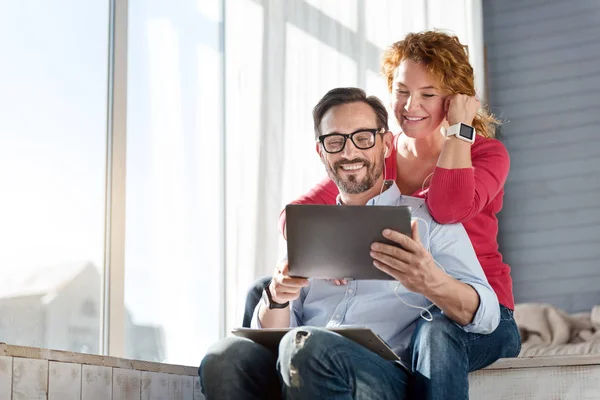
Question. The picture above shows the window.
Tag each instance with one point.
(52, 167)
(89, 309)
(174, 155)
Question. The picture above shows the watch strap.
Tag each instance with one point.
(271, 303)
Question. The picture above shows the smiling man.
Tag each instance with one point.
(353, 174)
(352, 141)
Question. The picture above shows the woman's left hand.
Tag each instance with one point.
(461, 108)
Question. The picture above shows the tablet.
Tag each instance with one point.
(334, 242)
(270, 339)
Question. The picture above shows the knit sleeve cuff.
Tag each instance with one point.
(450, 178)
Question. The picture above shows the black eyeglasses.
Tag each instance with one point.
(335, 142)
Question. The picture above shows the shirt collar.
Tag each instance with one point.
(386, 198)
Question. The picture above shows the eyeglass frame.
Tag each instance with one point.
(346, 136)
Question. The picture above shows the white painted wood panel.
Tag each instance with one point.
(565, 383)
(30, 379)
(187, 383)
(6, 368)
(126, 384)
(31, 373)
(96, 383)
(550, 377)
(198, 390)
(92, 359)
(64, 381)
(155, 386)
(175, 387)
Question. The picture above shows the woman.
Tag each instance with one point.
(431, 84)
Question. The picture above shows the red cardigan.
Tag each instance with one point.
(472, 196)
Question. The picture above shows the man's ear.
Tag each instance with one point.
(388, 142)
(320, 152)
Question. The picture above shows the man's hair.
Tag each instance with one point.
(339, 96)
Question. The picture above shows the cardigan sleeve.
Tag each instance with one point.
(457, 195)
(324, 192)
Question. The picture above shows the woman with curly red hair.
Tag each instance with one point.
(446, 153)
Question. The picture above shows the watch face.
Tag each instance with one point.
(466, 131)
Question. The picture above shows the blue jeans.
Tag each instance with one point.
(313, 363)
(443, 354)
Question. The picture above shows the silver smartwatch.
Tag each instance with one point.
(462, 131)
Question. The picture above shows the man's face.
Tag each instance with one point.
(353, 170)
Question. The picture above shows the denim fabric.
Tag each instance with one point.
(238, 368)
(443, 354)
(313, 364)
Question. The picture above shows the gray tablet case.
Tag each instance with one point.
(334, 242)
(270, 339)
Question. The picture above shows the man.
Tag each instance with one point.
(353, 140)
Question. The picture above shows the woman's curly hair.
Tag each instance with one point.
(447, 60)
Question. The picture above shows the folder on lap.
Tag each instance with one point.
(270, 339)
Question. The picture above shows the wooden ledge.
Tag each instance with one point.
(92, 359)
(544, 361)
(115, 362)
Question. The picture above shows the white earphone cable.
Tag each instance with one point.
(423, 309)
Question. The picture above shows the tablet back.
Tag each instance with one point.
(333, 242)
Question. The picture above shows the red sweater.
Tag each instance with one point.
(472, 196)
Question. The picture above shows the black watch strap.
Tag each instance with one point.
(272, 304)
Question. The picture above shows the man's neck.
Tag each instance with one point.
(363, 198)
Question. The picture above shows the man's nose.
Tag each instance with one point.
(350, 150)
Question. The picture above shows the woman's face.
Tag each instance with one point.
(416, 102)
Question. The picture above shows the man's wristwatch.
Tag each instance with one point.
(462, 131)
(267, 298)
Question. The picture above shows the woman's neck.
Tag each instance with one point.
(416, 159)
(428, 147)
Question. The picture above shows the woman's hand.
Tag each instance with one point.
(461, 108)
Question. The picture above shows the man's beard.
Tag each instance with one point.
(352, 184)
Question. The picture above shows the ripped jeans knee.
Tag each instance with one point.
(302, 354)
(315, 363)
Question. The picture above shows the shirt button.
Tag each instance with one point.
(350, 291)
